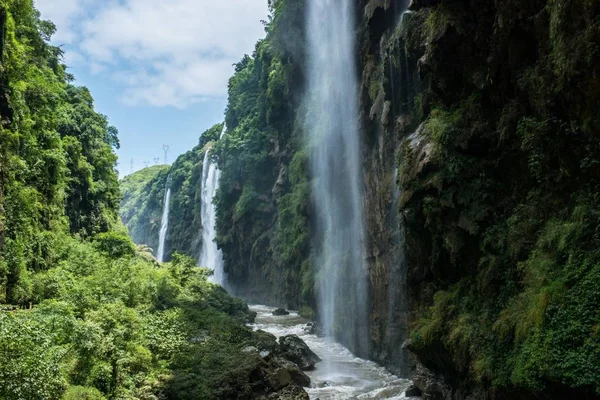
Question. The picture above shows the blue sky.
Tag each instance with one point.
(157, 68)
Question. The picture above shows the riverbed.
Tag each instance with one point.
(340, 375)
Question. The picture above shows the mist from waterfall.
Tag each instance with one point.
(210, 256)
(164, 224)
(335, 162)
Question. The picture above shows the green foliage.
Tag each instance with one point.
(57, 164)
(144, 194)
(114, 244)
(82, 393)
(502, 197)
(264, 195)
(119, 328)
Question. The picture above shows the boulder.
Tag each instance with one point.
(299, 377)
(264, 341)
(279, 379)
(281, 311)
(413, 391)
(294, 349)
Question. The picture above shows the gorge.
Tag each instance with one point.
(419, 179)
(448, 157)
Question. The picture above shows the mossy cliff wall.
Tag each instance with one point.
(499, 198)
(481, 176)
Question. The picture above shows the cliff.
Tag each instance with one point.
(481, 189)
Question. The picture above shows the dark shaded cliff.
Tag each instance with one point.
(500, 190)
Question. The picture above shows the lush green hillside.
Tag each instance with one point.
(84, 314)
(141, 208)
(57, 165)
(144, 193)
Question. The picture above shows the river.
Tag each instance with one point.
(340, 375)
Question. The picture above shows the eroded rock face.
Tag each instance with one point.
(294, 349)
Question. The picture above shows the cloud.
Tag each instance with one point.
(163, 53)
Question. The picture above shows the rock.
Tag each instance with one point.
(413, 391)
(294, 349)
(264, 354)
(281, 311)
(291, 392)
(314, 328)
(299, 377)
(431, 385)
(250, 317)
(250, 350)
(416, 5)
(264, 341)
(279, 379)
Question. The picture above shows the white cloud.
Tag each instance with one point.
(164, 53)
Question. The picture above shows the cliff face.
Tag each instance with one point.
(479, 129)
(388, 82)
(500, 198)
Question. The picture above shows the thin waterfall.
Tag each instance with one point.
(210, 256)
(332, 104)
(164, 225)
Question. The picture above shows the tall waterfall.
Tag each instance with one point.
(335, 161)
(164, 225)
(210, 255)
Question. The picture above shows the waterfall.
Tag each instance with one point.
(335, 162)
(210, 255)
(164, 225)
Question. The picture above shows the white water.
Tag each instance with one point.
(335, 163)
(164, 225)
(210, 256)
(340, 375)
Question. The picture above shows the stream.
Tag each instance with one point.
(340, 375)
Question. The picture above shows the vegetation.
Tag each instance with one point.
(506, 207)
(144, 194)
(264, 198)
(84, 314)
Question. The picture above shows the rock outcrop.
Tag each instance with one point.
(294, 349)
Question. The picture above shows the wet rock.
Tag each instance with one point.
(314, 328)
(413, 391)
(281, 311)
(294, 349)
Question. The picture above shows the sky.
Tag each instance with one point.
(157, 68)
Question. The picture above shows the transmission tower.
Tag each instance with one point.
(131, 166)
(166, 150)
(156, 160)
(146, 163)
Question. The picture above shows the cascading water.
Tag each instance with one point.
(335, 164)
(210, 255)
(164, 225)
